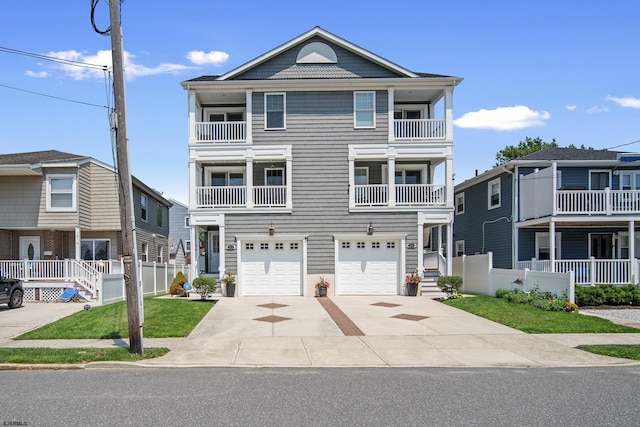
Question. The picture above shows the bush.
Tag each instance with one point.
(204, 286)
(176, 285)
(607, 295)
(450, 284)
(541, 300)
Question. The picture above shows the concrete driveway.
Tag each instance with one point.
(14, 322)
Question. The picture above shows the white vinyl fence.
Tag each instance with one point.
(479, 277)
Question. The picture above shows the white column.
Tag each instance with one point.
(391, 197)
(352, 193)
(420, 248)
(632, 240)
(192, 117)
(289, 181)
(249, 184)
(78, 244)
(554, 186)
(249, 116)
(222, 249)
(195, 250)
(450, 244)
(193, 183)
(552, 245)
(449, 187)
(448, 112)
(390, 109)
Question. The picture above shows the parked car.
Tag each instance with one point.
(11, 292)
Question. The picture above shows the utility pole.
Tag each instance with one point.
(127, 218)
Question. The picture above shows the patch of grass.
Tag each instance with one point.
(163, 318)
(41, 355)
(535, 321)
(630, 351)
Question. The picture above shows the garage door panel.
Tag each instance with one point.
(368, 267)
(272, 268)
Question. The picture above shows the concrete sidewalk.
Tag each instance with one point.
(398, 331)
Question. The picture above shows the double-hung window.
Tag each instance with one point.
(143, 207)
(61, 193)
(494, 199)
(274, 109)
(459, 203)
(364, 111)
(159, 215)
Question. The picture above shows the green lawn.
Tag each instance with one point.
(74, 355)
(628, 351)
(163, 317)
(535, 321)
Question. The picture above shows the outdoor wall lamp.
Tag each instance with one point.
(272, 230)
(370, 229)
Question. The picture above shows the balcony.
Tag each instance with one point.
(269, 196)
(421, 195)
(221, 132)
(419, 129)
(597, 202)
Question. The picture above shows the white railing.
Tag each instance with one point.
(42, 270)
(419, 129)
(420, 194)
(590, 271)
(270, 195)
(371, 195)
(599, 202)
(227, 196)
(221, 132)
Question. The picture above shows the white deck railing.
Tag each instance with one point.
(590, 271)
(603, 202)
(221, 132)
(405, 195)
(236, 196)
(419, 129)
(420, 194)
(270, 195)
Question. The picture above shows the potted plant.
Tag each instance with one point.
(412, 282)
(230, 284)
(322, 286)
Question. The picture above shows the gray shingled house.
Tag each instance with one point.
(320, 158)
(583, 203)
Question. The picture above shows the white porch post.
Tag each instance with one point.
(390, 109)
(440, 239)
(450, 247)
(391, 197)
(449, 187)
(289, 179)
(420, 247)
(195, 251)
(552, 245)
(249, 168)
(222, 246)
(249, 115)
(632, 240)
(193, 183)
(448, 112)
(352, 193)
(78, 244)
(192, 117)
(554, 186)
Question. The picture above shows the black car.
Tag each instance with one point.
(11, 292)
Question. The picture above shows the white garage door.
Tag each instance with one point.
(368, 267)
(271, 268)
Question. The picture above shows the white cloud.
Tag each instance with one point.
(598, 109)
(627, 101)
(36, 74)
(214, 57)
(503, 118)
(570, 107)
(103, 58)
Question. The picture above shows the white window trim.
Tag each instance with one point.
(489, 185)
(599, 171)
(224, 110)
(355, 110)
(460, 196)
(632, 174)
(227, 171)
(144, 218)
(407, 167)
(558, 248)
(284, 178)
(366, 169)
(159, 255)
(459, 245)
(186, 222)
(144, 251)
(284, 110)
(73, 206)
(187, 245)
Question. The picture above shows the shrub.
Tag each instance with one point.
(176, 285)
(450, 284)
(204, 286)
(607, 295)
(541, 300)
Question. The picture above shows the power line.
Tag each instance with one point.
(54, 59)
(55, 97)
(622, 145)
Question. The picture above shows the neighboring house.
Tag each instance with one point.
(59, 206)
(583, 203)
(320, 158)
(179, 233)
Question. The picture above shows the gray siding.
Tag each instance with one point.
(177, 213)
(284, 66)
(103, 201)
(24, 194)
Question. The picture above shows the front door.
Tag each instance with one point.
(601, 246)
(30, 247)
(214, 252)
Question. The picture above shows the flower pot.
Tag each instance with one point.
(230, 289)
(412, 289)
(322, 292)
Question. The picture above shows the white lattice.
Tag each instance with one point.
(50, 294)
(29, 295)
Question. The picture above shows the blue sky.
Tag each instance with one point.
(567, 70)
